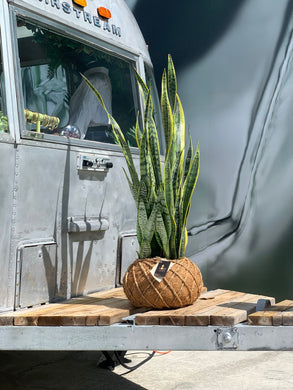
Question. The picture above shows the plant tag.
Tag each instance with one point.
(160, 270)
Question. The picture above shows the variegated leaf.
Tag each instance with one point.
(166, 112)
(172, 82)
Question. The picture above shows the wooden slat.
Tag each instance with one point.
(272, 316)
(288, 316)
(283, 316)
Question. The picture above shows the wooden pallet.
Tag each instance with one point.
(218, 307)
(277, 315)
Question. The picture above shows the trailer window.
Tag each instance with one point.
(56, 99)
(3, 112)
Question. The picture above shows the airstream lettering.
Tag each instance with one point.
(87, 16)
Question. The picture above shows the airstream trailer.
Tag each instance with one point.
(67, 216)
(66, 209)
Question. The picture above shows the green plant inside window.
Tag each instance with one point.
(3, 123)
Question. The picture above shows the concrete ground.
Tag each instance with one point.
(173, 371)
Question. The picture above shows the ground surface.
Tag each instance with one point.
(174, 371)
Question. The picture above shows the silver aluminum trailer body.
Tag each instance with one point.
(63, 222)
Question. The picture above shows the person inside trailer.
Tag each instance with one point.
(84, 109)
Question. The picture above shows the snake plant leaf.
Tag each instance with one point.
(168, 185)
(188, 157)
(183, 243)
(179, 128)
(151, 173)
(166, 111)
(153, 141)
(143, 156)
(147, 234)
(191, 180)
(163, 209)
(141, 220)
(177, 177)
(142, 86)
(172, 242)
(172, 82)
(151, 199)
(169, 197)
(162, 235)
(178, 216)
(138, 133)
(188, 189)
(146, 171)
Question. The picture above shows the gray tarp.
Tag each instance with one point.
(234, 65)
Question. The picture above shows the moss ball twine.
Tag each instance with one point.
(181, 286)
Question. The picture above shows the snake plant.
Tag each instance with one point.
(162, 196)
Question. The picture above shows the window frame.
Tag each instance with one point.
(131, 57)
(8, 77)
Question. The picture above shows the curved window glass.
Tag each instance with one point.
(56, 99)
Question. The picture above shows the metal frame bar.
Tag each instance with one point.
(131, 337)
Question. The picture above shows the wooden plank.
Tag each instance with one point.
(237, 310)
(178, 316)
(288, 317)
(265, 317)
(109, 317)
(278, 318)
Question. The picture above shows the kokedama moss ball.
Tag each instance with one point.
(181, 286)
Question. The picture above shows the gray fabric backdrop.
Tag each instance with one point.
(234, 65)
